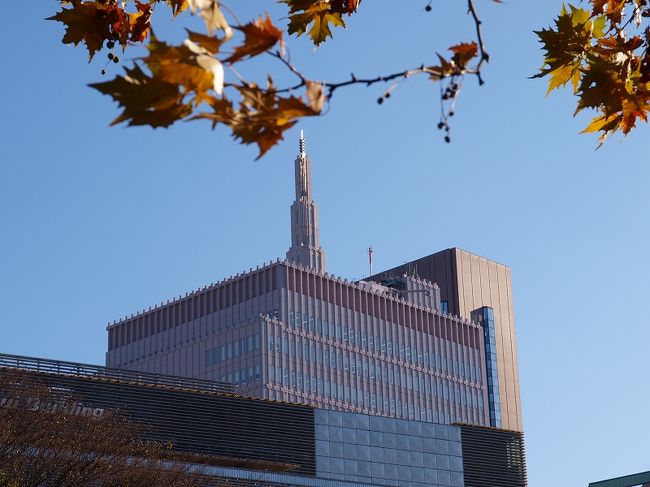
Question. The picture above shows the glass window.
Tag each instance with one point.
(208, 358)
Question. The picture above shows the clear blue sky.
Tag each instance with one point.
(98, 222)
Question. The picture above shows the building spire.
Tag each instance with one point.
(305, 249)
(303, 149)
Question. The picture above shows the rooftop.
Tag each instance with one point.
(97, 372)
(626, 481)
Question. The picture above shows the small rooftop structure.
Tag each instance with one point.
(637, 479)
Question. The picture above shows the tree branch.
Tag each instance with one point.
(485, 57)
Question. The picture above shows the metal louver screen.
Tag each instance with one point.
(493, 457)
(240, 431)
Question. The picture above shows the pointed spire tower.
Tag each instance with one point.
(305, 249)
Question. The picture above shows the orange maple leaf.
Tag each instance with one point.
(261, 35)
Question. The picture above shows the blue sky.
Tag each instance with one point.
(98, 222)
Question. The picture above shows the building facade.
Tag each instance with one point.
(253, 442)
(474, 287)
(288, 333)
(426, 346)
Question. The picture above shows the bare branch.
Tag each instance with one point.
(485, 57)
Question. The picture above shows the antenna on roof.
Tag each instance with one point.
(370, 259)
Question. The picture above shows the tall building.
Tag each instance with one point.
(433, 345)
(480, 290)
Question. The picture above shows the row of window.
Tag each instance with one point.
(456, 397)
(301, 347)
(428, 386)
(408, 345)
(410, 411)
(230, 350)
(244, 377)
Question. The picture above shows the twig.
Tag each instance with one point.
(292, 68)
(485, 57)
